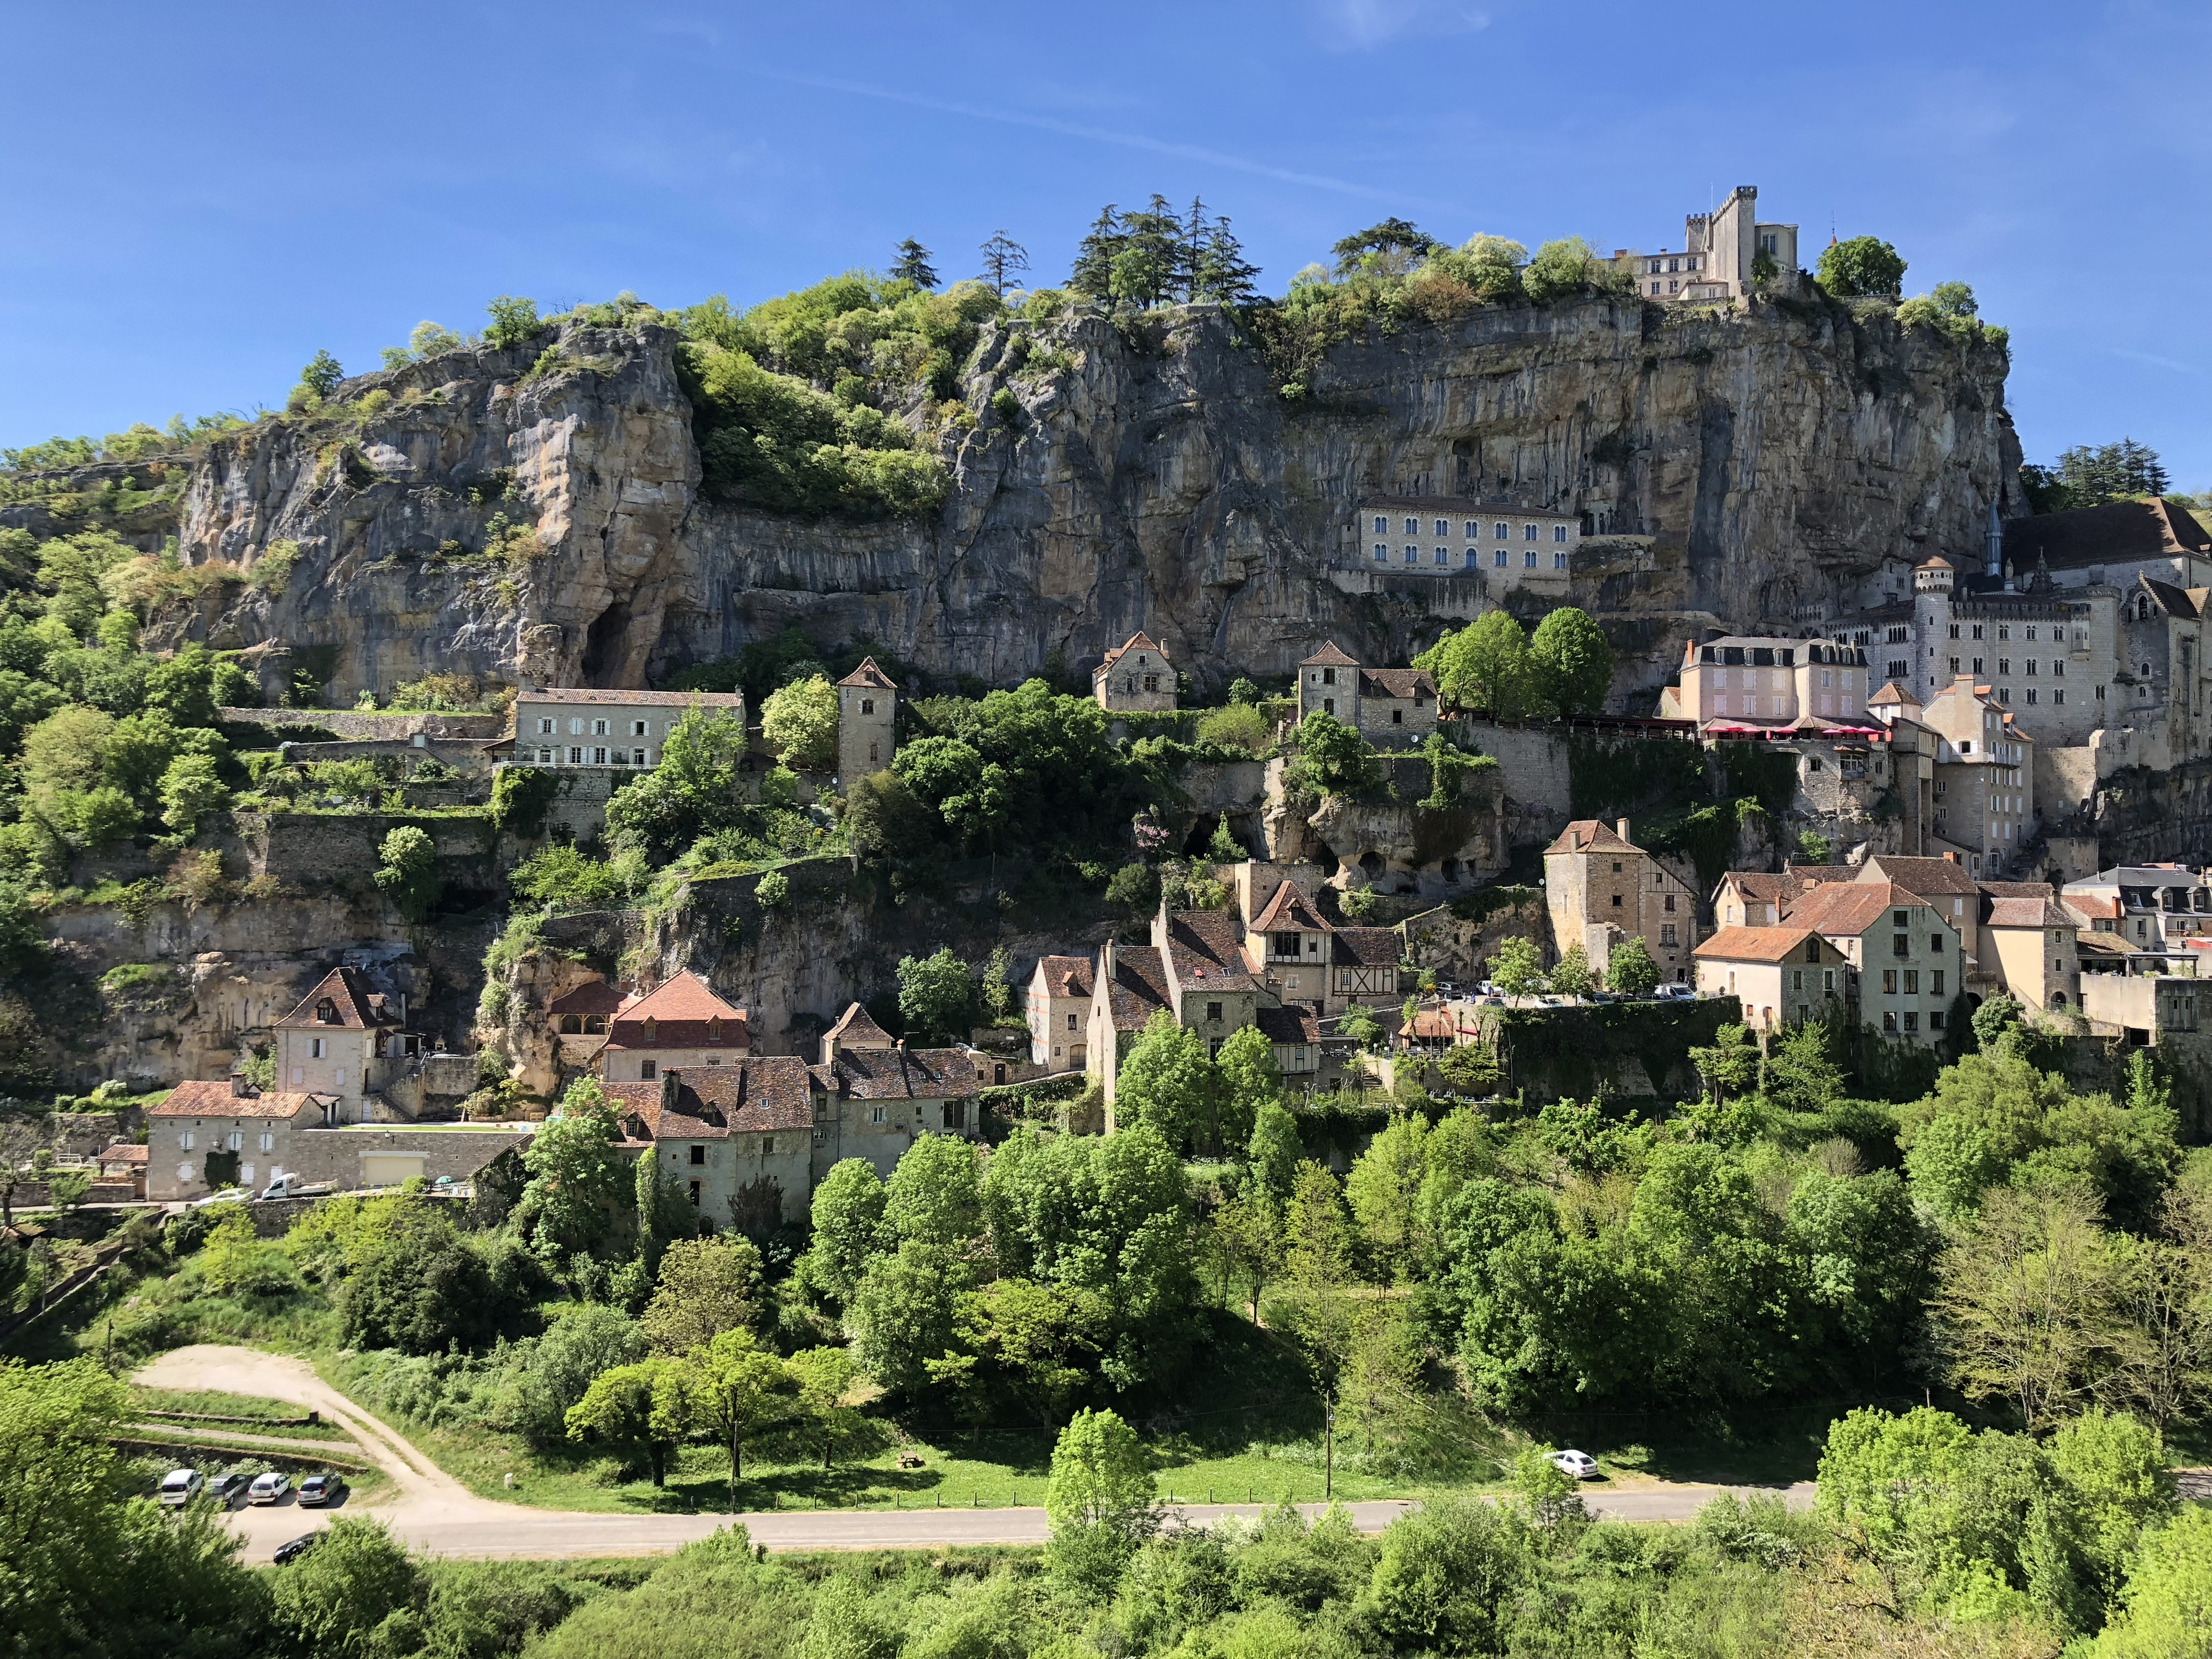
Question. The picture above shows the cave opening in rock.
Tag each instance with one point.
(603, 641)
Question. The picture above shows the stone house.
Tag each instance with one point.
(2153, 907)
(1942, 882)
(349, 1042)
(1783, 976)
(1600, 886)
(1750, 898)
(867, 723)
(682, 1025)
(1135, 679)
(580, 1020)
(1294, 1032)
(584, 727)
(1289, 941)
(1388, 707)
(739, 1138)
(1983, 799)
(1460, 536)
(1129, 987)
(874, 1095)
(207, 1133)
(2026, 946)
(1057, 1006)
(1743, 678)
(1907, 960)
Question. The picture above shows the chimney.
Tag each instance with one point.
(241, 1089)
(1621, 829)
(669, 1083)
(1951, 857)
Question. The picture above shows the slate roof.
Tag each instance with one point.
(1138, 989)
(1588, 835)
(1207, 952)
(1462, 507)
(681, 1011)
(1289, 909)
(1367, 947)
(869, 678)
(1329, 656)
(598, 695)
(212, 1097)
(1064, 977)
(1755, 944)
(857, 1029)
(1404, 685)
(1292, 1024)
(904, 1073)
(2115, 533)
(2187, 602)
(1848, 907)
(358, 1008)
(1924, 877)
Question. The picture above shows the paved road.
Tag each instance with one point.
(435, 1512)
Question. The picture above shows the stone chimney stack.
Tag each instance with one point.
(669, 1083)
(1621, 829)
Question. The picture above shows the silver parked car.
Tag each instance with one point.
(1581, 1465)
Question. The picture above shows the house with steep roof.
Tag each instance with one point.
(349, 1041)
(1129, 985)
(1601, 887)
(1781, 974)
(681, 1025)
(867, 723)
(1135, 679)
(210, 1133)
(1293, 1030)
(1751, 898)
(1057, 1006)
(1388, 707)
(2153, 907)
(1288, 941)
(1942, 882)
(2025, 947)
(736, 1139)
(1908, 962)
(875, 1095)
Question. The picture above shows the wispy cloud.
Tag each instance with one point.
(694, 29)
(2194, 370)
(1107, 135)
(1364, 25)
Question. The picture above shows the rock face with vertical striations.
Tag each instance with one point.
(1749, 467)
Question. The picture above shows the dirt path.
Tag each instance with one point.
(436, 1513)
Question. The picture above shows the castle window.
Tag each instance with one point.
(1503, 559)
(1412, 555)
(1558, 561)
(1527, 532)
(1443, 526)
(1473, 530)
(2057, 697)
(2031, 630)
(1559, 532)
(1382, 524)
(1472, 558)
(1444, 555)
(1382, 553)
(867, 705)
(1501, 532)
(1978, 630)
(1413, 526)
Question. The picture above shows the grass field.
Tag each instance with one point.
(278, 1419)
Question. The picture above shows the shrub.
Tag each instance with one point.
(1006, 406)
(1239, 725)
(799, 722)
(409, 870)
(521, 796)
(1863, 265)
(774, 888)
(514, 320)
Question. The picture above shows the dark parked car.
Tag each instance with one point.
(319, 1489)
(228, 1489)
(287, 1553)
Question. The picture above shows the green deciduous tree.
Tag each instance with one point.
(1517, 969)
(1862, 265)
(1730, 1067)
(937, 995)
(738, 1389)
(799, 721)
(705, 1286)
(1570, 663)
(848, 1227)
(340, 1598)
(1250, 1078)
(825, 1376)
(192, 787)
(1560, 269)
(1484, 667)
(577, 1174)
(933, 1197)
(648, 1405)
(1101, 1500)
(1571, 975)
(514, 321)
(1629, 970)
(1170, 1082)
(901, 1314)
(408, 870)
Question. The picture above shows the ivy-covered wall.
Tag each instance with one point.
(1622, 1049)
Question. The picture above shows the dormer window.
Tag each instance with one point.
(326, 1012)
(652, 1029)
(714, 1029)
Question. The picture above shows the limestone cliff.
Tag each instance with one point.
(1771, 457)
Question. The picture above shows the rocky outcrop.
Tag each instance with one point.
(1766, 459)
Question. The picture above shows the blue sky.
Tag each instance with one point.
(200, 197)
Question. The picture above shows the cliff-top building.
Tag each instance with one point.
(1456, 535)
(1717, 256)
(579, 726)
(1760, 680)
(1386, 706)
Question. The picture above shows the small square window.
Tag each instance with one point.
(698, 1154)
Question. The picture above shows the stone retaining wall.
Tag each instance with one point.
(355, 725)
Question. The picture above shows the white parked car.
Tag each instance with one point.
(1581, 1465)
(228, 1196)
(269, 1488)
(180, 1486)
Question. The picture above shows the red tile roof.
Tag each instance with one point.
(352, 1004)
(1329, 656)
(857, 1029)
(212, 1097)
(1288, 910)
(1207, 952)
(1924, 877)
(868, 677)
(2038, 912)
(1402, 684)
(1064, 977)
(1849, 907)
(597, 998)
(1589, 835)
(684, 1013)
(125, 1151)
(1755, 944)
(1135, 642)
